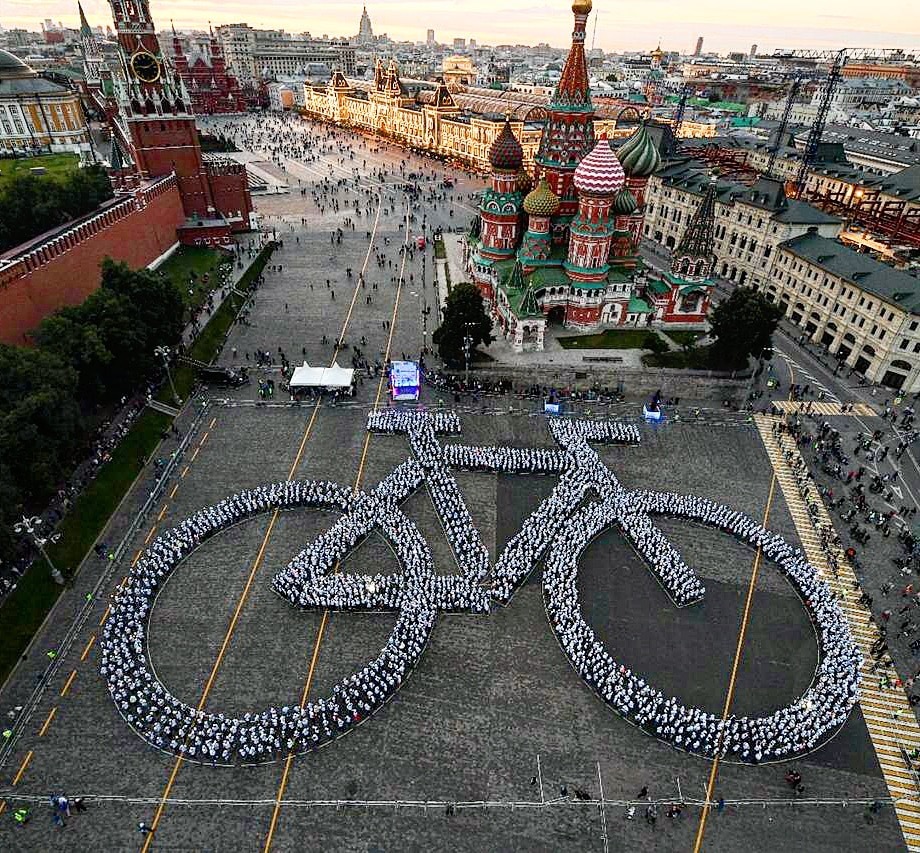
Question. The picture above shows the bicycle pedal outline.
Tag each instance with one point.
(587, 500)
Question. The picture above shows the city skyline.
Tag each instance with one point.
(620, 26)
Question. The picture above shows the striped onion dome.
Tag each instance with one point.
(639, 155)
(506, 153)
(600, 173)
(542, 201)
(625, 203)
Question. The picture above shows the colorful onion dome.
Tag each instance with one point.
(506, 153)
(542, 201)
(600, 173)
(581, 7)
(625, 203)
(524, 182)
(639, 154)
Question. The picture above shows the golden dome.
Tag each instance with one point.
(581, 7)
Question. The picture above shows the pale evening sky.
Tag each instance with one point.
(621, 24)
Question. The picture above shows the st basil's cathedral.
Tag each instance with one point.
(561, 245)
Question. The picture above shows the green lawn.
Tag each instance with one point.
(439, 251)
(26, 607)
(684, 338)
(195, 271)
(608, 339)
(35, 594)
(56, 164)
(697, 358)
(211, 338)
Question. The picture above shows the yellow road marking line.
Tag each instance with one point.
(48, 719)
(290, 756)
(89, 645)
(282, 787)
(2, 806)
(162, 513)
(175, 489)
(177, 764)
(108, 609)
(67, 683)
(195, 454)
(22, 768)
(204, 438)
(213, 421)
(739, 648)
(137, 557)
(184, 472)
(150, 534)
(179, 760)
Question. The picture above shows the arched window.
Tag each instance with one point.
(898, 364)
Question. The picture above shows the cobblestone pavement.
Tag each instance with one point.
(493, 698)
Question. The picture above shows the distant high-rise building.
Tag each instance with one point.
(365, 30)
(473, 43)
(753, 51)
(430, 39)
(699, 46)
(459, 44)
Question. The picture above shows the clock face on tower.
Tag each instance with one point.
(145, 66)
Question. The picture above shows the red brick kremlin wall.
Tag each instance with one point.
(62, 268)
(231, 192)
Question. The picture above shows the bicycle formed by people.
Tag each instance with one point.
(587, 500)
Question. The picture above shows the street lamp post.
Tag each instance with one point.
(29, 527)
(467, 348)
(164, 353)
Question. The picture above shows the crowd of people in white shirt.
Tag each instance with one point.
(587, 500)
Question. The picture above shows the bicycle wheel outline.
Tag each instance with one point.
(562, 560)
(415, 622)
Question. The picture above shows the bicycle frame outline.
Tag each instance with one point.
(312, 579)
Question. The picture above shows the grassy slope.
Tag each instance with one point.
(56, 164)
(199, 260)
(609, 339)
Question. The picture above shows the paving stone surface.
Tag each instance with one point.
(492, 695)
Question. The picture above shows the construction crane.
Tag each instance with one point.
(837, 60)
(681, 109)
(794, 88)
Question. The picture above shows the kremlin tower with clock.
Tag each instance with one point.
(156, 124)
(167, 191)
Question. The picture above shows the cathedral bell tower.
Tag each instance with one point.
(155, 109)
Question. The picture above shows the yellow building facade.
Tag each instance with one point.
(435, 122)
(37, 114)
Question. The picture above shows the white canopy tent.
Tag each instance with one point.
(321, 377)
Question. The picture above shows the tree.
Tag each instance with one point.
(654, 342)
(742, 325)
(111, 337)
(464, 314)
(34, 204)
(40, 431)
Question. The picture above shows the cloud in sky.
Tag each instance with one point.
(621, 24)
